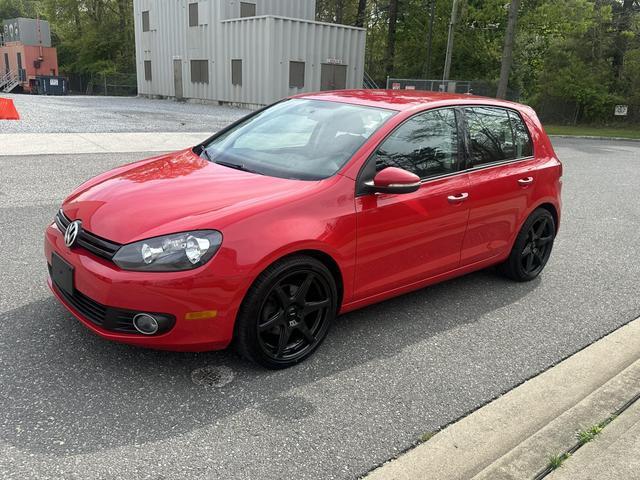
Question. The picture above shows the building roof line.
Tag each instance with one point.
(303, 20)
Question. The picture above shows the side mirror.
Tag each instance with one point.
(394, 180)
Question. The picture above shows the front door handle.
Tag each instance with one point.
(523, 182)
(458, 198)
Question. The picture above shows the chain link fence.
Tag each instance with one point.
(116, 84)
(473, 87)
(569, 112)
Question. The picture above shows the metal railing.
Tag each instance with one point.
(368, 82)
(9, 81)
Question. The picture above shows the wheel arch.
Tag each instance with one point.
(333, 267)
(551, 208)
(321, 255)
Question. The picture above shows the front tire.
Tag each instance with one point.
(287, 312)
(532, 247)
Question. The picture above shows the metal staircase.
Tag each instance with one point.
(368, 82)
(9, 81)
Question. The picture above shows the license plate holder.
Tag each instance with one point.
(62, 274)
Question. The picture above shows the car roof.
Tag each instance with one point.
(405, 99)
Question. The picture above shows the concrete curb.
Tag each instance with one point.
(612, 455)
(589, 137)
(539, 417)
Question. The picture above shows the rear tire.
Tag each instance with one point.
(287, 312)
(532, 247)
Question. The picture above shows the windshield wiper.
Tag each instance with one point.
(206, 154)
(237, 166)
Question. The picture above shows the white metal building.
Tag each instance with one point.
(250, 52)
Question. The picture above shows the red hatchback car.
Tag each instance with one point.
(314, 206)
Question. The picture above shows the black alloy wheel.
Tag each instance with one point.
(532, 248)
(287, 312)
(537, 246)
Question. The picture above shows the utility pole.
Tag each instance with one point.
(452, 24)
(430, 39)
(507, 52)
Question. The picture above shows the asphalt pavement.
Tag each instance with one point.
(76, 406)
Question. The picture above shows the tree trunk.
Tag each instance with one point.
(432, 13)
(391, 37)
(621, 44)
(339, 11)
(507, 53)
(452, 29)
(362, 10)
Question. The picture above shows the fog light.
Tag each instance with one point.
(145, 324)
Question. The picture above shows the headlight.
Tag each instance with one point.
(170, 253)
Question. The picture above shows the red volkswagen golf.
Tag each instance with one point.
(314, 206)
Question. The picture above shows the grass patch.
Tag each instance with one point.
(427, 436)
(586, 131)
(555, 461)
(585, 436)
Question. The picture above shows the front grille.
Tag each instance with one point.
(87, 240)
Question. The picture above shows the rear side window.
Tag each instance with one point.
(426, 145)
(490, 135)
(522, 140)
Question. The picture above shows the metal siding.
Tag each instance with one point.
(266, 44)
(28, 31)
(303, 9)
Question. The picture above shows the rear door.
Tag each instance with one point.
(406, 238)
(502, 172)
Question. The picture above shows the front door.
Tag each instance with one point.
(177, 78)
(21, 75)
(501, 176)
(406, 238)
(6, 63)
(333, 76)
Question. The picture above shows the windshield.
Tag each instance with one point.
(300, 139)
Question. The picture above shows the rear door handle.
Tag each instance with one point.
(458, 198)
(523, 182)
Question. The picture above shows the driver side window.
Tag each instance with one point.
(426, 145)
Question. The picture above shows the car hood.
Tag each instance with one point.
(173, 193)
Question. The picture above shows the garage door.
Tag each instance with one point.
(333, 77)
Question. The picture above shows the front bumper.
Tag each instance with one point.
(174, 293)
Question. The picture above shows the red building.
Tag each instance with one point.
(26, 53)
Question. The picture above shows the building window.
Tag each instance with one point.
(193, 14)
(200, 71)
(247, 9)
(296, 74)
(145, 21)
(236, 72)
(147, 70)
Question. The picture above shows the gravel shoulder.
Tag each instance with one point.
(89, 114)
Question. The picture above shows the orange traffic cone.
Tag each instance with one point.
(8, 110)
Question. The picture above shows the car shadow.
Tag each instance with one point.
(66, 392)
